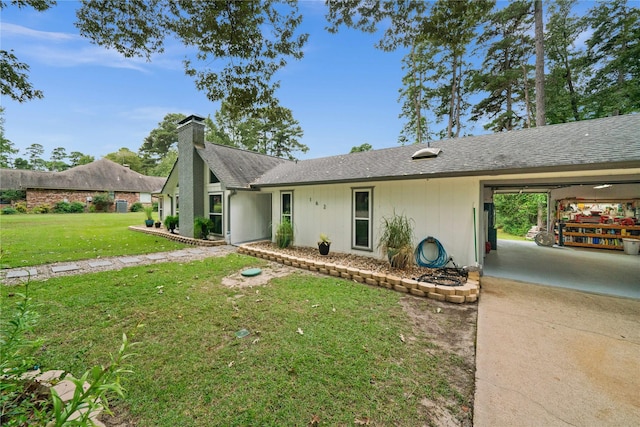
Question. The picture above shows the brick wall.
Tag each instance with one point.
(51, 197)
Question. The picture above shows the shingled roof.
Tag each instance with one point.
(101, 175)
(608, 143)
(237, 168)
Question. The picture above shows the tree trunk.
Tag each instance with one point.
(540, 110)
(454, 69)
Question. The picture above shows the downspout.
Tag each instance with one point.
(229, 195)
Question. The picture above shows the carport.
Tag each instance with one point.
(602, 271)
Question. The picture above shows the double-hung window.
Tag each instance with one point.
(362, 218)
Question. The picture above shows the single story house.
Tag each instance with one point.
(446, 188)
(81, 183)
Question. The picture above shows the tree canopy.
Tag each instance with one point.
(240, 44)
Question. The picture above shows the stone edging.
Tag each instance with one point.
(467, 293)
(176, 237)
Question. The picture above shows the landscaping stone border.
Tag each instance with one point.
(467, 293)
(176, 237)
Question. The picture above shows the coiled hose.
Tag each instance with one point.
(421, 259)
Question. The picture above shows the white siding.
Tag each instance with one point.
(250, 216)
(441, 208)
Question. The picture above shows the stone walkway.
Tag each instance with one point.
(42, 272)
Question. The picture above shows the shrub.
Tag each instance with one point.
(66, 207)
(21, 207)
(42, 209)
(284, 234)
(136, 207)
(102, 202)
(9, 211)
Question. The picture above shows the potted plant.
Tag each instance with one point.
(171, 222)
(284, 234)
(395, 240)
(203, 225)
(148, 212)
(324, 244)
(158, 224)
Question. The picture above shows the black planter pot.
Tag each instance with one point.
(158, 224)
(324, 248)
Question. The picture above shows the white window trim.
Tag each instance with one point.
(282, 214)
(354, 218)
(221, 214)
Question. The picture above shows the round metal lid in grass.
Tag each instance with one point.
(251, 272)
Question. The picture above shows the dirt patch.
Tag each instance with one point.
(450, 330)
(271, 271)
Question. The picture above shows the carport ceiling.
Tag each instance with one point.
(542, 185)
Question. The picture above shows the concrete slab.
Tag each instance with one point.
(196, 251)
(555, 357)
(592, 270)
(63, 268)
(156, 257)
(129, 260)
(22, 273)
(100, 263)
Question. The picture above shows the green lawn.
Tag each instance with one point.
(505, 236)
(27, 240)
(189, 368)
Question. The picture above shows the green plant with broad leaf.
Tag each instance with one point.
(148, 213)
(396, 237)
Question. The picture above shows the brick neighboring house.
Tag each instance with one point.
(82, 183)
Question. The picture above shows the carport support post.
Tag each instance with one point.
(190, 172)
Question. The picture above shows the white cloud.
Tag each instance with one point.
(13, 30)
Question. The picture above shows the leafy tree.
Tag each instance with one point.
(565, 63)
(516, 213)
(241, 44)
(166, 164)
(614, 57)
(35, 152)
(57, 160)
(77, 159)
(446, 27)
(505, 69)
(126, 157)
(7, 149)
(360, 148)
(14, 78)
(268, 130)
(159, 141)
(452, 25)
(20, 163)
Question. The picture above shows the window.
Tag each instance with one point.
(215, 212)
(213, 179)
(161, 207)
(362, 207)
(286, 206)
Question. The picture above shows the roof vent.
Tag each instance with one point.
(426, 153)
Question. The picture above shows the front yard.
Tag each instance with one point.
(319, 350)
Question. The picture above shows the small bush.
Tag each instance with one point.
(42, 209)
(9, 211)
(102, 202)
(76, 207)
(136, 207)
(61, 207)
(21, 207)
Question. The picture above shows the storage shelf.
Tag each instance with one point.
(591, 245)
(585, 232)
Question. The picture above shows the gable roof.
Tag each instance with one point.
(101, 175)
(237, 168)
(608, 143)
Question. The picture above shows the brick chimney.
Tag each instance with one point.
(191, 170)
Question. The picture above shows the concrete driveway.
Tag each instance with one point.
(556, 357)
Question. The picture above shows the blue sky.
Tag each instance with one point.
(344, 92)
